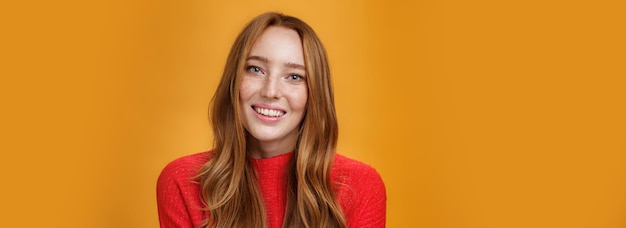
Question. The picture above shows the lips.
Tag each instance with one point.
(268, 111)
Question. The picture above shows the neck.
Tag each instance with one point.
(263, 149)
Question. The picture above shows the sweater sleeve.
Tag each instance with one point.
(177, 196)
(372, 201)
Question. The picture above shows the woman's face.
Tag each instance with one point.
(273, 92)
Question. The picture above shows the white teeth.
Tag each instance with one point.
(269, 112)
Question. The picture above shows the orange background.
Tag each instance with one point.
(476, 113)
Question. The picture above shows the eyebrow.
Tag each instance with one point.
(265, 60)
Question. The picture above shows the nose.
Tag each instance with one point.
(271, 87)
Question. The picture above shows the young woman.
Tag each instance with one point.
(274, 162)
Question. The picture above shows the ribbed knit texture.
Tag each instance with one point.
(361, 195)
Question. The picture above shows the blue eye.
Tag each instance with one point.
(295, 77)
(254, 69)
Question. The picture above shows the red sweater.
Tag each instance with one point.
(362, 195)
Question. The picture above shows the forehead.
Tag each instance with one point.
(279, 44)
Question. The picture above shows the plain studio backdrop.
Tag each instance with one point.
(476, 113)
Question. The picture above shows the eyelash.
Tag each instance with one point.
(298, 77)
(254, 69)
(257, 70)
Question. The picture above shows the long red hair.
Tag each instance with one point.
(229, 186)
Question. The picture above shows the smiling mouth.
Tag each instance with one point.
(269, 112)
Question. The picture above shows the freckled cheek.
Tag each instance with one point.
(246, 90)
(299, 100)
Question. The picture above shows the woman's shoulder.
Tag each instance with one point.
(346, 165)
(361, 191)
(178, 191)
(184, 168)
(355, 173)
